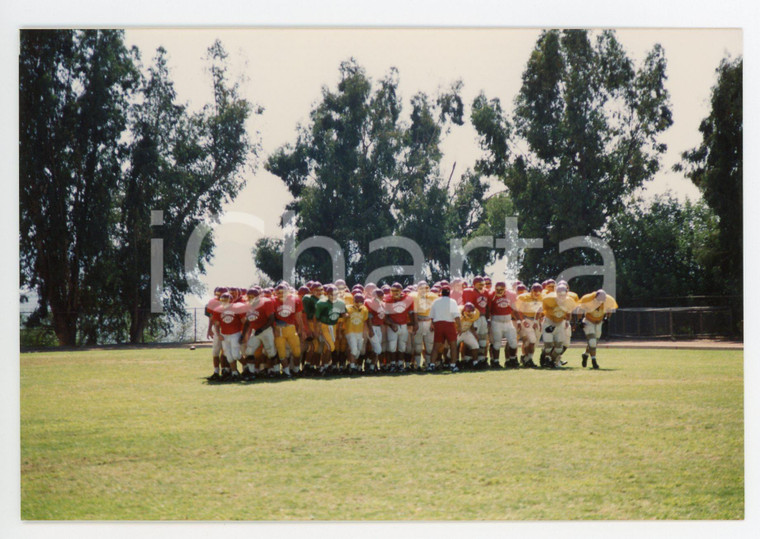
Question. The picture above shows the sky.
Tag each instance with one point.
(284, 70)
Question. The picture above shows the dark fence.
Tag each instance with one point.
(192, 329)
(673, 322)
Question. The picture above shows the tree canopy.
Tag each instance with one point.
(716, 168)
(359, 172)
(102, 144)
(583, 136)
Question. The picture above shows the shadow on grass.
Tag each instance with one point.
(339, 376)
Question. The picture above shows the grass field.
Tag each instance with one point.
(139, 435)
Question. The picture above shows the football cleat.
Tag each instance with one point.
(584, 360)
(594, 364)
(214, 377)
(495, 365)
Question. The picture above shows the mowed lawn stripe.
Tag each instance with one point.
(139, 435)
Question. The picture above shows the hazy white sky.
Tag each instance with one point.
(285, 69)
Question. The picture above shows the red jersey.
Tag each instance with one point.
(480, 300)
(398, 309)
(376, 310)
(501, 306)
(212, 306)
(258, 315)
(230, 319)
(285, 310)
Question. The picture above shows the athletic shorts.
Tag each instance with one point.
(231, 346)
(287, 335)
(265, 339)
(469, 339)
(592, 329)
(502, 328)
(444, 332)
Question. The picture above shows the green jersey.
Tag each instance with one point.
(309, 305)
(329, 312)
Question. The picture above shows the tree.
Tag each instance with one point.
(187, 165)
(583, 137)
(664, 249)
(100, 147)
(358, 172)
(715, 167)
(73, 96)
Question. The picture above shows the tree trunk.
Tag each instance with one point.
(138, 319)
(65, 325)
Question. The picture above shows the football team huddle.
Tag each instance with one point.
(326, 330)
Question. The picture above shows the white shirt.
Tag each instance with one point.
(444, 309)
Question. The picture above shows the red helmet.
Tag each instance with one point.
(521, 288)
(536, 287)
(253, 292)
(302, 291)
(469, 307)
(225, 297)
(358, 299)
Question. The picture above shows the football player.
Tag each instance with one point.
(257, 332)
(478, 296)
(528, 310)
(500, 308)
(312, 349)
(468, 315)
(557, 307)
(356, 326)
(376, 310)
(424, 337)
(211, 333)
(228, 320)
(288, 327)
(597, 307)
(329, 310)
(399, 308)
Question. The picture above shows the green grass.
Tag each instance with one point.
(139, 435)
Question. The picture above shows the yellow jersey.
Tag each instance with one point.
(467, 318)
(595, 309)
(357, 316)
(529, 305)
(422, 303)
(556, 308)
